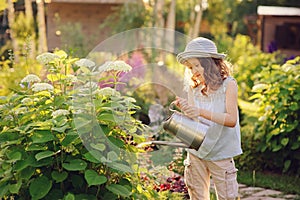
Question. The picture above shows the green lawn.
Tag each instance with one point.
(284, 183)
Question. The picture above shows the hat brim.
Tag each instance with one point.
(183, 56)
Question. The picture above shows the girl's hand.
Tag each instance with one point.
(188, 110)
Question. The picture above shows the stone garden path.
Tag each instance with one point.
(257, 193)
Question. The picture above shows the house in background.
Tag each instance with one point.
(88, 13)
(279, 29)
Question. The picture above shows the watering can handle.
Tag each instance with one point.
(172, 104)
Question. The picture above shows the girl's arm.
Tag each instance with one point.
(229, 118)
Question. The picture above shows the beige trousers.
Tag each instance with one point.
(197, 178)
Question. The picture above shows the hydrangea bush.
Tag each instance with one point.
(46, 154)
(277, 94)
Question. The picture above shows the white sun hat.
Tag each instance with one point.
(200, 48)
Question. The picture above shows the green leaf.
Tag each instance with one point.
(61, 54)
(112, 156)
(3, 189)
(42, 136)
(85, 124)
(99, 146)
(14, 188)
(85, 197)
(40, 187)
(61, 129)
(77, 181)
(75, 165)
(93, 156)
(69, 139)
(287, 165)
(275, 131)
(118, 190)
(85, 69)
(9, 136)
(122, 167)
(255, 96)
(297, 96)
(117, 142)
(93, 178)
(294, 106)
(14, 156)
(59, 176)
(59, 100)
(22, 164)
(52, 77)
(44, 154)
(295, 145)
(27, 173)
(36, 147)
(107, 117)
(284, 141)
(69, 196)
(60, 121)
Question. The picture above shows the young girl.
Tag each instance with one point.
(212, 97)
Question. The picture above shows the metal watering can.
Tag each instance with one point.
(190, 132)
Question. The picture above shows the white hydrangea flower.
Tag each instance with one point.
(259, 87)
(85, 63)
(46, 58)
(91, 85)
(60, 112)
(79, 111)
(8, 118)
(71, 78)
(37, 87)
(262, 118)
(117, 65)
(3, 106)
(268, 108)
(31, 78)
(89, 88)
(107, 91)
(20, 110)
(27, 101)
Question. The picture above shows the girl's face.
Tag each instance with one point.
(197, 70)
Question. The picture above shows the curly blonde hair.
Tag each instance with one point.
(215, 72)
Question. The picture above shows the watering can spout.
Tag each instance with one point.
(173, 144)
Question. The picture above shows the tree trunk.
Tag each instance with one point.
(42, 27)
(11, 21)
(171, 20)
(195, 20)
(159, 22)
(197, 24)
(29, 16)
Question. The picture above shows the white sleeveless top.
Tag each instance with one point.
(220, 141)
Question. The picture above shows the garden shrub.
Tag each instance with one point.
(11, 73)
(248, 61)
(277, 94)
(56, 147)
